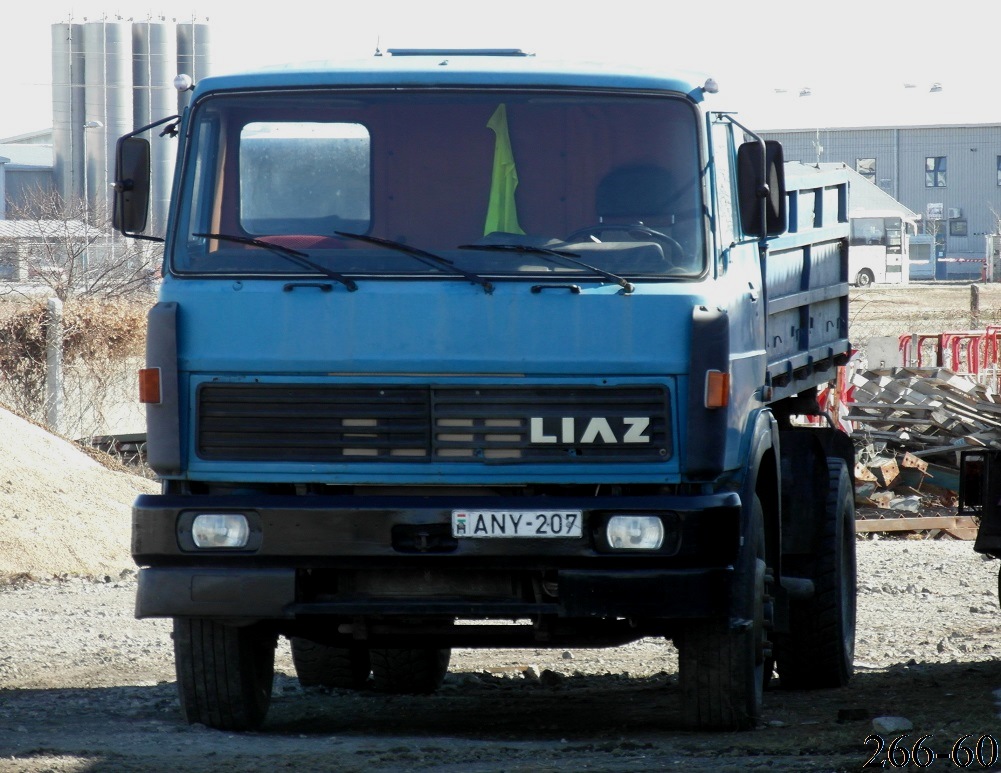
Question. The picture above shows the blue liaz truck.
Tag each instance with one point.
(475, 349)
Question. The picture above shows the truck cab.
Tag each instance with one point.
(450, 338)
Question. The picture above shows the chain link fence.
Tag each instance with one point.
(921, 309)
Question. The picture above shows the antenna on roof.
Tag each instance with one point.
(378, 52)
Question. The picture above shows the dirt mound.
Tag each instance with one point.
(61, 512)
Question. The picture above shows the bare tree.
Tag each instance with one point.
(997, 218)
(932, 227)
(70, 249)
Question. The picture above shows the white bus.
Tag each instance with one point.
(877, 251)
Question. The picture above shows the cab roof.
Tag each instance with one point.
(460, 68)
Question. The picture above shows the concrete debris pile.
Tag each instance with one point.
(910, 425)
(931, 412)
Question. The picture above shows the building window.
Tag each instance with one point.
(8, 262)
(935, 172)
(999, 170)
(867, 168)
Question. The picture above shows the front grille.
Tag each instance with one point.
(334, 423)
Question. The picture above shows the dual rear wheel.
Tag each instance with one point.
(415, 671)
(819, 650)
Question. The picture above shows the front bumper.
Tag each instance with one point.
(352, 557)
(266, 594)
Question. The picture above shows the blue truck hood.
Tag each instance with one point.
(430, 327)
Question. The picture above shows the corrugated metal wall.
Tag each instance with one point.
(24, 185)
(971, 154)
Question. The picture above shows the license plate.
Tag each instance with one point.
(565, 524)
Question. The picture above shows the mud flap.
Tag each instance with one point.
(980, 496)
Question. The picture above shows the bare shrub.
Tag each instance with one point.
(103, 342)
(50, 247)
(22, 360)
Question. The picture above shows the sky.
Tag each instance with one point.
(862, 62)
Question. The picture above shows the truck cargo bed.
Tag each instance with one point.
(806, 284)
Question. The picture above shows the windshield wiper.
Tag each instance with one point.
(295, 256)
(425, 257)
(569, 257)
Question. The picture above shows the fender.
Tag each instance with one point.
(761, 476)
(163, 432)
(710, 350)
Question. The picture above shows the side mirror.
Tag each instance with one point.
(761, 188)
(132, 185)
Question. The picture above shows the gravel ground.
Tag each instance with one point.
(86, 687)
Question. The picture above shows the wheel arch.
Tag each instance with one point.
(864, 277)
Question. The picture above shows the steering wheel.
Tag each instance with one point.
(638, 231)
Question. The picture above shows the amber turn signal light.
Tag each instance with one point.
(717, 389)
(149, 385)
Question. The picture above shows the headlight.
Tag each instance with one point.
(220, 530)
(635, 532)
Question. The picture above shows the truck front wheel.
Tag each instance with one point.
(224, 673)
(819, 649)
(344, 668)
(721, 665)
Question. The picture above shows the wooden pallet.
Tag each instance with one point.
(962, 527)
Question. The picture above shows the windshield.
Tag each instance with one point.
(443, 183)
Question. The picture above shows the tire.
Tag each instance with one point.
(864, 278)
(722, 671)
(224, 673)
(320, 665)
(819, 650)
(409, 671)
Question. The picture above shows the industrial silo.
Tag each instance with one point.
(68, 110)
(109, 78)
(193, 55)
(108, 102)
(154, 65)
